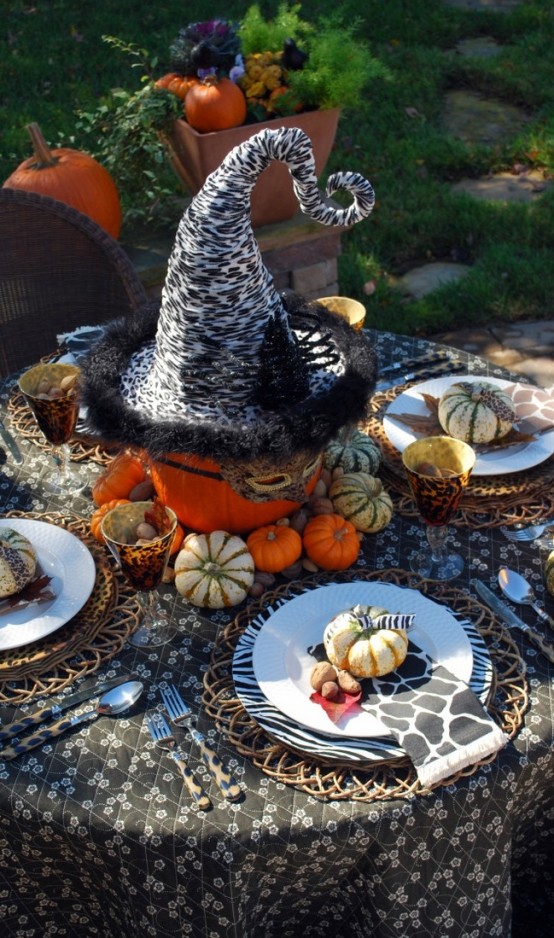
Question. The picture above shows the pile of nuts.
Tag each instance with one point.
(434, 472)
(49, 391)
(318, 503)
(328, 680)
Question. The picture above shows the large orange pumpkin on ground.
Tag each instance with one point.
(72, 177)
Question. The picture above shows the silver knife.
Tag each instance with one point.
(11, 444)
(510, 618)
(449, 367)
(54, 710)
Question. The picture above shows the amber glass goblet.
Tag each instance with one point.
(52, 393)
(143, 565)
(438, 469)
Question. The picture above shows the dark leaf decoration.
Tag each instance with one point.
(35, 592)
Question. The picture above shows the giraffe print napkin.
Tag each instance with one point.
(534, 407)
(436, 718)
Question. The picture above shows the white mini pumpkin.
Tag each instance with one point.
(365, 651)
(18, 562)
(214, 570)
(476, 412)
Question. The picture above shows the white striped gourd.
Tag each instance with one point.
(361, 499)
(214, 570)
(364, 651)
(358, 454)
(476, 412)
(17, 562)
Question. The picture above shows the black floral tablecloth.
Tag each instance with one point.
(98, 836)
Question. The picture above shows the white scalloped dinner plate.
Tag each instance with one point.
(496, 462)
(282, 665)
(69, 562)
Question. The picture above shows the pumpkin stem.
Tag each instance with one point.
(43, 154)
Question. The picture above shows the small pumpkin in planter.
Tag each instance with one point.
(331, 542)
(358, 454)
(124, 472)
(71, 177)
(274, 547)
(476, 412)
(215, 104)
(214, 570)
(356, 641)
(179, 85)
(361, 498)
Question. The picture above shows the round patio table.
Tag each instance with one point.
(99, 837)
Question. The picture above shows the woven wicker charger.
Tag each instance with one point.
(488, 501)
(394, 778)
(88, 640)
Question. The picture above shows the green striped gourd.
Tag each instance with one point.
(361, 499)
(358, 454)
(476, 412)
(214, 570)
(17, 562)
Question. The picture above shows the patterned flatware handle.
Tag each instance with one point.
(45, 735)
(226, 783)
(542, 613)
(25, 723)
(541, 644)
(197, 793)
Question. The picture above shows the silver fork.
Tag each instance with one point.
(181, 714)
(528, 532)
(160, 732)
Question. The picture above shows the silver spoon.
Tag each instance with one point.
(516, 588)
(111, 704)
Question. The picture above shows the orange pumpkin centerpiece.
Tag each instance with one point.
(72, 177)
(233, 389)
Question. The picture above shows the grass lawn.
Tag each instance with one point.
(56, 68)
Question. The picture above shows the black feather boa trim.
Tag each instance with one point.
(307, 426)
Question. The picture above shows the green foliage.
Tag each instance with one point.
(123, 134)
(258, 34)
(339, 67)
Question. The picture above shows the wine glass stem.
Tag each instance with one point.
(436, 537)
(63, 461)
(147, 600)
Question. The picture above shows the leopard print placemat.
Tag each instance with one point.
(489, 501)
(92, 637)
(390, 778)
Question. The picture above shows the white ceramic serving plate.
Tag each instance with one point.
(493, 462)
(282, 664)
(69, 563)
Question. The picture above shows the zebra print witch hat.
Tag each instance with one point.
(230, 369)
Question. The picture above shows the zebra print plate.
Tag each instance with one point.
(466, 645)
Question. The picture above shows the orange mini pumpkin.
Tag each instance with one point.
(121, 476)
(214, 104)
(331, 542)
(179, 85)
(274, 547)
(98, 516)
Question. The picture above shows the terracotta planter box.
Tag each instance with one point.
(273, 198)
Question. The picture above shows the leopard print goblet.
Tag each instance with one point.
(52, 392)
(438, 469)
(143, 565)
